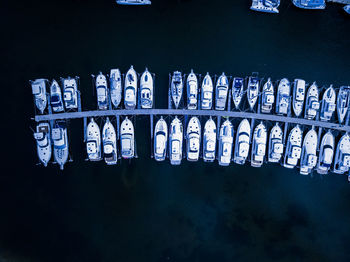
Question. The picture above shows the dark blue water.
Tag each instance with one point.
(148, 211)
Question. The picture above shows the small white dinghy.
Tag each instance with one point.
(109, 141)
(127, 139)
(39, 92)
(342, 155)
(326, 153)
(60, 143)
(101, 91)
(312, 104)
(343, 102)
(259, 145)
(221, 92)
(283, 97)
(242, 143)
(160, 140)
(43, 142)
(268, 97)
(237, 91)
(115, 85)
(146, 90)
(70, 93)
(175, 141)
(56, 97)
(209, 141)
(328, 104)
(192, 91)
(308, 158)
(253, 91)
(298, 96)
(193, 136)
(293, 148)
(176, 88)
(225, 143)
(93, 141)
(130, 89)
(275, 144)
(207, 93)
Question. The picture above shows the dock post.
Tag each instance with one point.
(85, 124)
(151, 125)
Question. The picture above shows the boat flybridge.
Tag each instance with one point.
(115, 87)
(268, 6)
(253, 91)
(193, 135)
(275, 144)
(146, 89)
(312, 104)
(43, 142)
(209, 140)
(39, 92)
(60, 143)
(127, 139)
(160, 140)
(283, 97)
(221, 91)
(207, 92)
(225, 143)
(176, 88)
(101, 91)
(310, 4)
(298, 96)
(258, 145)
(343, 103)
(130, 89)
(56, 97)
(192, 90)
(133, 2)
(328, 104)
(342, 155)
(242, 143)
(70, 92)
(268, 97)
(93, 141)
(175, 141)
(326, 153)
(293, 148)
(109, 142)
(308, 159)
(237, 91)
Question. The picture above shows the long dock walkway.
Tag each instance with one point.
(184, 112)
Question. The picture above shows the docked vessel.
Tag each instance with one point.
(293, 148)
(325, 157)
(130, 89)
(127, 139)
(237, 91)
(56, 97)
(242, 143)
(268, 97)
(258, 145)
(39, 92)
(283, 97)
(109, 142)
(275, 144)
(221, 91)
(93, 141)
(308, 159)
(133, 2)
(253, 91)
(347, 9)
(342, 155)
(207, 92)
(115, 87)
(175, 141)
(60, 143)
(193, 135)
(209, 141)
(160, 140)
(298, 96)
(146, 89)
(101, 91)
(43, 142)
(343, 102)
(328, 104)
(312, 104)
(225, 143)
(192, 90)
(70, 93)
(176, 88)
(310, 4)
(268, 6)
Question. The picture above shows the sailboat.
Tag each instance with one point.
(237, 91)
(253, 91)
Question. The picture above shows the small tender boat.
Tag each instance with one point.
(326, 153)
(56, 97)
(237, 91)
(242, 143)
(258, 145)
(101, 91)
(193, 134)
(342, 155)
(133, 2)
(192, 90)
(130, 89)
(225, 143)
(308, 158)
(283, 97)
(70, 93)
(127, 139)
(253, 91)
(160, 140)
(268, 97)
(347, 9)
(146, 89)
(175, 141)
(209, 140)
(93, 141)
(115, 85)
(343, 102)
(43, 142)
(207, 92)
(298, 96)
(176, 88)
(109, 141)
(310, 4)
(275, 144)
(39, 92)
(293, 148)
(268, 6)
(312, 104)
(60, 143)
(328, 104)
(221, 92)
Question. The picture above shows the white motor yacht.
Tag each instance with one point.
(101, 91)
(326, 153)
(127, 139)
(342, 155)
(60, 143)
(56, 97)
(237, 91)
(308, 159)
(115, 87)
(242, 143)
(176, 88)
(328, 104)
(275, 144)
(298, 96)
(160, 140)
(343, 102)
(70, 92)
(253, 91)
(109, 142)
(43, 142)
(146, 89)
(259, 145)
(312, 104)
(130, 89)
(267, 6)
(225, 143)
(283, 97)
(209, 141)
(193, 136)
(221, 92)
(93, 141)
(192, 90)
(293, 148)
(175, 141)
(39, 92)
(207, 92)
(268, 97)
